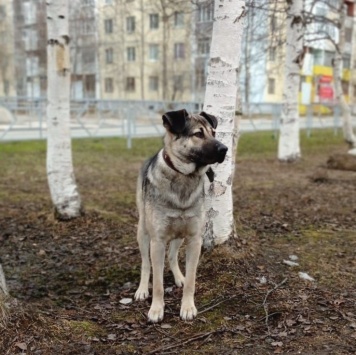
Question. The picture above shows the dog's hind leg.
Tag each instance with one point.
(144, 245)
(173, 261)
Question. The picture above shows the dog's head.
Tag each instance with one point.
(191, 138)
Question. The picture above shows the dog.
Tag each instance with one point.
(170, 201)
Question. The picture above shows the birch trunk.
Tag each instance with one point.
(288, 144)
(4, 295)
(64, 193)
(339, 95)
(220, 101)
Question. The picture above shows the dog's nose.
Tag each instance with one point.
(222, 149)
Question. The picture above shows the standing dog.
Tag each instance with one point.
(170, 201)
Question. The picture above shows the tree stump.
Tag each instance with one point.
(342, 162)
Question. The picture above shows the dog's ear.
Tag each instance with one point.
(210, 118)
(175, 121)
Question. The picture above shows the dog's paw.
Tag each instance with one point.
(188, 311)
(179, 280)
(155, 314)
(141, 294)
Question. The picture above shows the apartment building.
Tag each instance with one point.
(145, 49)
(7, 69)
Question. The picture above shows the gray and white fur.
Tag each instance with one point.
(170, 201)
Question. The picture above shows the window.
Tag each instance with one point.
(272, 54)
(130, 24)
(130, 84)
(131, 54)
(318, 56)
(271, 86)
(178, 19)
(109, 55)
(108, 23)
(178, 83)
(153, 83)
(205, 12)
(179, 51)
(346, 62)
(348, 35)
(153, 52)
(2, 12)
(200, 78)
(204, 47)
(109, 85)
(273, 23)
(154, 21)
(328, 58)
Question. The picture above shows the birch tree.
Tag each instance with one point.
(220, 101)
(4, 294)
(64, 192)
(288, 144)
(337, 71)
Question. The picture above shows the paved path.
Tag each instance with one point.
(115, 128)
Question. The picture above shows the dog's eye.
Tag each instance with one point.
(199, 134)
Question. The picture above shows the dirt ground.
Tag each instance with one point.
(68, 279)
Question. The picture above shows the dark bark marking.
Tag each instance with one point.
(66, 39)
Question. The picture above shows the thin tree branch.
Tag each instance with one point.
(265, 305)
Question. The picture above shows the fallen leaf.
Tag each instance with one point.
(21, 346)
(277, 343)
(166, 326)
(126, 300)
(111, 336)
(290, 263)
(290, 322)
(240, 327)
(293, 257)
(305, 276)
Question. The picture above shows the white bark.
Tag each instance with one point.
(339, 95)
(60, 173)
(4, 294)
(288, 145)
(220, 101)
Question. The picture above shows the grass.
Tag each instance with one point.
(250, 144)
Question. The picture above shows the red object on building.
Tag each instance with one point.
(325, 79)
(325, 90)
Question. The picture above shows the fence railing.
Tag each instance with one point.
(23, 118)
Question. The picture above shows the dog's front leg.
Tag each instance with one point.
(156, 311)
(188, 310)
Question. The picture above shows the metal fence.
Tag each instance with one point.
(23, 118)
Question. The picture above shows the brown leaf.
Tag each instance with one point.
(290, 322)
(282, 334)
(21, 346)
